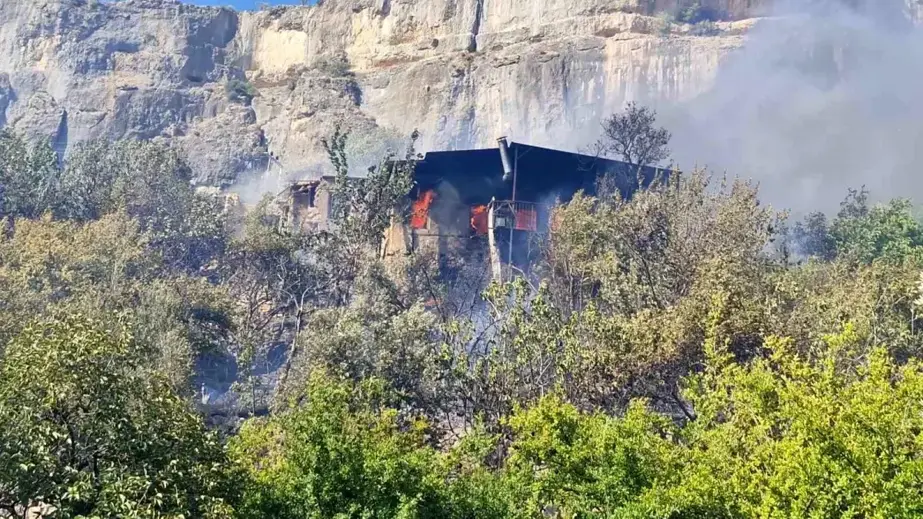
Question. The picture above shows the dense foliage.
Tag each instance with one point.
(683, 353)
(90, 432)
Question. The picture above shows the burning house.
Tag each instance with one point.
(492, 202)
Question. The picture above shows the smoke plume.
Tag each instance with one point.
(825, 95)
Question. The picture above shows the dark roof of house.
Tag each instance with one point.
(542, 174)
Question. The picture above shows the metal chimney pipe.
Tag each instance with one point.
(505, 158)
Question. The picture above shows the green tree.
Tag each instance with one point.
(888, 231)
(28, 177)
(632, 279)
(151, 183)
(811, 237)
(787, 437)
(633, 136)
(50, 267)
(240, 91)
(86, 432)
(339, 456)
(862, 232)
(571, 464)
(276, 277)
(366, 203)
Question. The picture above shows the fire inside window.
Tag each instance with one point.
(522, 217)
(419, 216)
(479, 222)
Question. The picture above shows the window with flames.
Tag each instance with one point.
(419, 214)
(525, 218)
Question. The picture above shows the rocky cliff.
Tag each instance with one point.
(231, 87)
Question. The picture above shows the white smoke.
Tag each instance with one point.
(364, 148)
(824, 96)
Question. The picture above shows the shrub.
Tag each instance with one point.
(239, 91)
(705, 28)
(336, 66)
(86, 430)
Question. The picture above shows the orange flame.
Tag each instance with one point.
(479, 219)
(420, 210)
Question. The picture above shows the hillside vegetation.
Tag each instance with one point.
(690, 352)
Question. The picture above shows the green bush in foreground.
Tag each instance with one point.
(779, 437)
(85, 430)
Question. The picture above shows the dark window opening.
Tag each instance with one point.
(305, 195)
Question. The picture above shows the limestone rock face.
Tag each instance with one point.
(462, 72)
(143, 69)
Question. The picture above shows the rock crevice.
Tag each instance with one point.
(476, 25)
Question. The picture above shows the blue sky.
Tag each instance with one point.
(243, 4)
